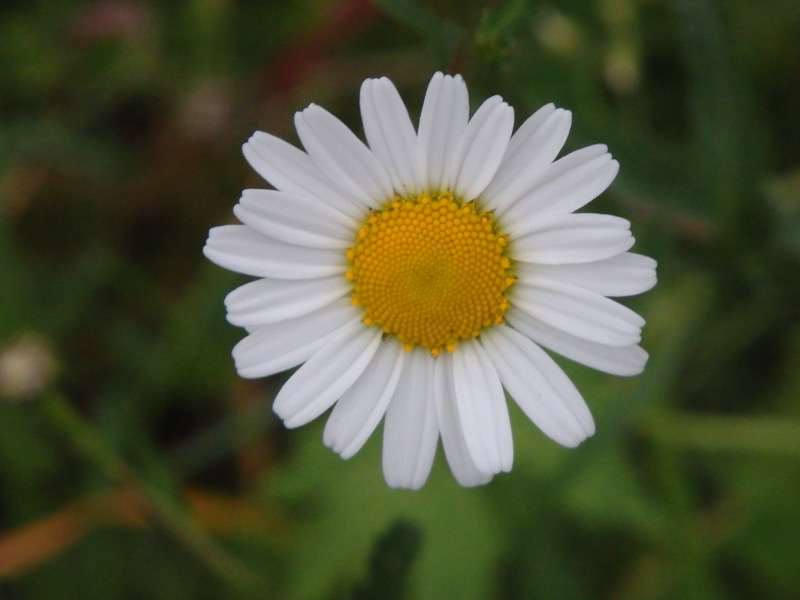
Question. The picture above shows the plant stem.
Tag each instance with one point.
(159, 505)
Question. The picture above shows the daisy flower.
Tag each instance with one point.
(417, 278)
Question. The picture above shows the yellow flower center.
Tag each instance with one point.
(431, 270)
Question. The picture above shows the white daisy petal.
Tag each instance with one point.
(243, 250)
(270, 300)
(390, 133)
(336, 150)
(481, 147)
(482, 409)
(383, 266)
(453, 442)
(444, 117)
(295, 219)
(540, 388)
(623, 275)
(327, 374)
(521, 138)
(276, 347)
(291, 170)
(623, 360)
(532, 148)
(565, 186)
(573, 238)
(578, 312)
(410, 429)
(361, 408)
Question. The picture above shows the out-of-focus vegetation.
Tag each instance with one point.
(134, 464)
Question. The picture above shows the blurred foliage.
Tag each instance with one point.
(134, 464)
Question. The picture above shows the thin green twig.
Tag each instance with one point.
(160, 506)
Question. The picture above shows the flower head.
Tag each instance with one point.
(417, 277)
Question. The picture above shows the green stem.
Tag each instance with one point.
(754, 434)
(102, 454)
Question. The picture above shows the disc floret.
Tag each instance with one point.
(431, 270)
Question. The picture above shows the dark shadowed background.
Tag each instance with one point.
(136, 465)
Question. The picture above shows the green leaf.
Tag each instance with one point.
(341, 508)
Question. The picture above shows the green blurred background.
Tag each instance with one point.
(135, 464)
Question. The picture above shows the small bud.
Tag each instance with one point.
(27, 367)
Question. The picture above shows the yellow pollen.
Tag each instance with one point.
(430, 270)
